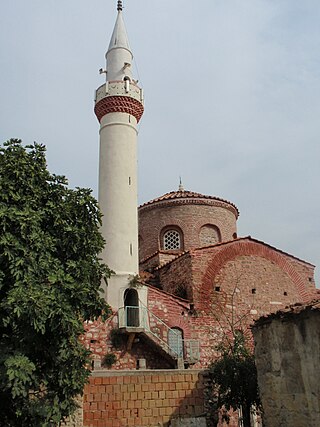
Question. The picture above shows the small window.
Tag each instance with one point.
(253, 291)
(171, 240)
(217, 288)
(175, 341)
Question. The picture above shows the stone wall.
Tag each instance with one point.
(287, 348)
(143, 398)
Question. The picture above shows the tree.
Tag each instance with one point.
(233, 379)
(50, 277)
(233, 374)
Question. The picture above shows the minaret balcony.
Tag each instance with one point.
(119, 88)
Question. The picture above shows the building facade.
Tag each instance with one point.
(183, 278)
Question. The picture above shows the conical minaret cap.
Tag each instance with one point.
(119, 56)
(119, 38)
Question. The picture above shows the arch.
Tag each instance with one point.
(249, 247)
(131, 305)
(209, 235)
(175, 341)
(171, 238)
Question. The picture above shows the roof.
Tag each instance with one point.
(228, 242)
(287, 312)
(187, 195)
(252, 239)
(181, 301)
(119, 38)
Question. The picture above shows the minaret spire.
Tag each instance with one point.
(119, 107)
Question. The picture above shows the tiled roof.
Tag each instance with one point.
(288, 311)
(185, 194)
(256, 241)
(228, 242)
(182, 301)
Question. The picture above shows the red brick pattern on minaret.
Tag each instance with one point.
(119, 104)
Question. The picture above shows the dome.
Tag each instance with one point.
(182, 220)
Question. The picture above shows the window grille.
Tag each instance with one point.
(171, 240)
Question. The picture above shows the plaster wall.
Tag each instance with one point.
(118, 199)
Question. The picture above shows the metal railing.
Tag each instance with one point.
(142, 318)
(133, 317)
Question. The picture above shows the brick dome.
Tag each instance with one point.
(182, 220)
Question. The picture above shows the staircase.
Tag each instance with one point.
(140, 320)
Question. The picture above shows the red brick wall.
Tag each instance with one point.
(261, 280)
(98, 339)
(156, 259)
(189, 218)
(142, 398)
(212, 260)
(172, 311)
(176, 277)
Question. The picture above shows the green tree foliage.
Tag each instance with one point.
(50, 277)
(233, 380)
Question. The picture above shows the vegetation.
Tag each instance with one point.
(233, 375)
(233, 381)
(117, 338)
(108, 360)
(50, 277)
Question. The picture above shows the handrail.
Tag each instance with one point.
(136, 317)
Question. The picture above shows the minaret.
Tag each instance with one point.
(119, 107)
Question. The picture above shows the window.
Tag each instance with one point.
(131, 304)
(171, 240)
(175, 341)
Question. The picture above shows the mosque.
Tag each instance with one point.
(184, 280)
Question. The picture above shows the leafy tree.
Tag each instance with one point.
(233, 380)
(50, 277)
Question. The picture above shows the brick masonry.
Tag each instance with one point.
(142, 398)
(188, 218)
(119, 104)
(243, 279)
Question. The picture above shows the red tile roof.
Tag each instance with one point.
(256, 241)
(228, 242)
(185, 194)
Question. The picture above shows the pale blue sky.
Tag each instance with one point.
(232, 100)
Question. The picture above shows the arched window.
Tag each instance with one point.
(209, 235)
(172, 240)
(175, 341)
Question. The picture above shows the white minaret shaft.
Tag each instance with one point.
(119, 107)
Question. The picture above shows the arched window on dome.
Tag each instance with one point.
(209, 235)
(172, 239)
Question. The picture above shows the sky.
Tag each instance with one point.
(232, 101)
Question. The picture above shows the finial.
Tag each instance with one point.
(181, 188)
(119, 7)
